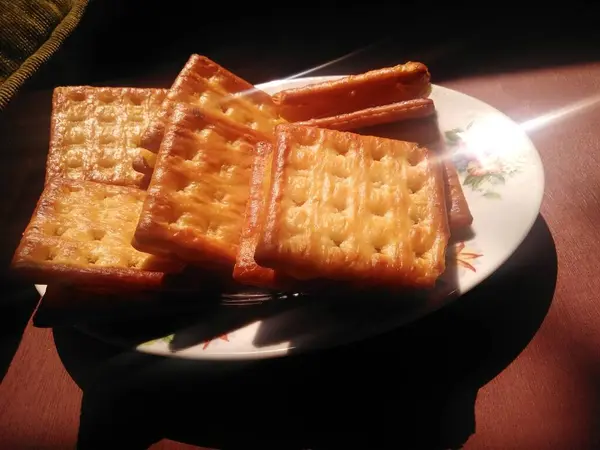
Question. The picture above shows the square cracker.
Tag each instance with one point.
(348, 207)
(204, 84)
(198, 192)
(95, 132)
(80, 233)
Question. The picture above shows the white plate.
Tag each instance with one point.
(503, 180)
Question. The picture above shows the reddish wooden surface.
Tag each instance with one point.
(546, 398)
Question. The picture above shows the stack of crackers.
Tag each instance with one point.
(270, 191)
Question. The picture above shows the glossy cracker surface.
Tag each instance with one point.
(355, 92)
(349, 207)
(377, 115)
(80, 233)
(246, 270)
(96, 132)
(198, 192)
(206, 85)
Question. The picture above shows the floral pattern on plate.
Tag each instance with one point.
(466, 257)
(482, 168)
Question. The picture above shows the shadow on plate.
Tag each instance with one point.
(181, 318)
(414, 387)
(184, 320)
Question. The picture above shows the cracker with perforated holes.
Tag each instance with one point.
(80, 233)
(348, 207)
(96, 131)
(198, 192)
(204, 84)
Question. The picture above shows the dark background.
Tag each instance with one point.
(141, 42)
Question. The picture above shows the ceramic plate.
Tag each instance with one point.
(503, 181)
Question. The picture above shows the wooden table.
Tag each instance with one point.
(514, 364)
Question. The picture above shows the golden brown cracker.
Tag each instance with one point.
(348, 207)
(354, 92)
(459, 213)
(377, 115)
(80, 233)
(204, 84)
(95, 132)
(198, 192)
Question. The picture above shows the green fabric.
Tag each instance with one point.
(30, 32)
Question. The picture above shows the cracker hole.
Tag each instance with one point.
(298, 192)
(136, 99)
(212, 228)
(60, 230)
(106, 117)
(378, 209)
(340, 205)
(416, 216)
(338, 241)
(63, 208)
(106, 139)
(74, 162)
(414, 184)
(340, 170)
(341, 148)
(76, 137)
(375, 176)
(415, 156)
(182, 184)
(378, 153)
(107, 163)
(51, 254)
(338, 236)
(92, 259)
(308, 138)
(107, 97)
(219, 196)
(76, 96)
(76, 116)
(97, 234)
(137, 117)
(379, 243)
(72, 189)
